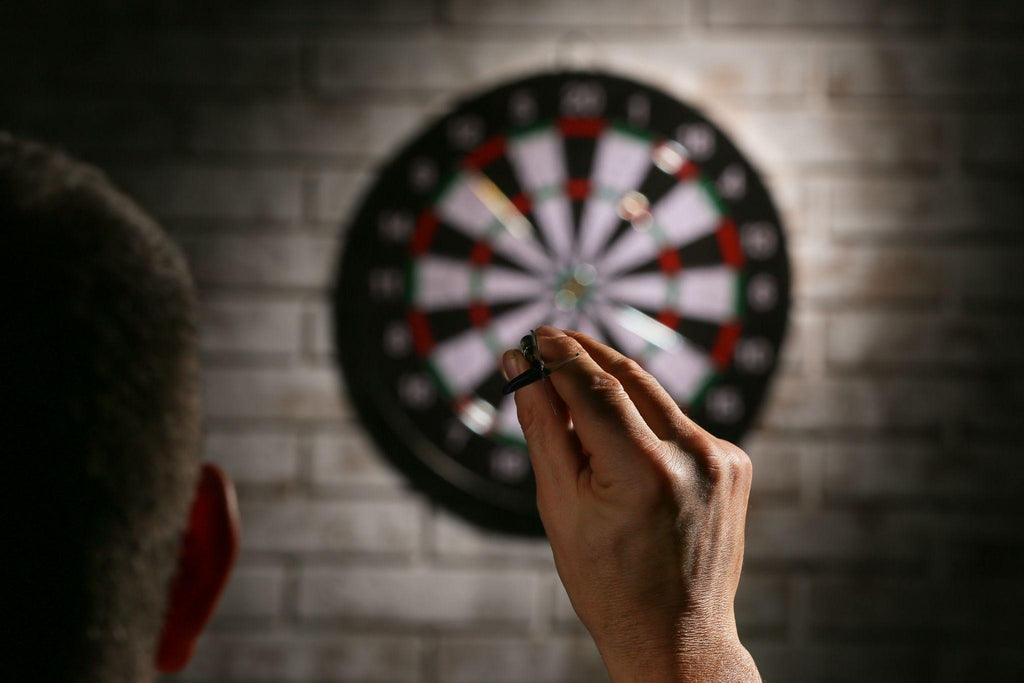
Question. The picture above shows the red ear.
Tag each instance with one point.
(208, 552)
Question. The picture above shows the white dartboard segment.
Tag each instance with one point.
(620, 163)
(462, 207)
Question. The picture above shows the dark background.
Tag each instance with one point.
(885, 534)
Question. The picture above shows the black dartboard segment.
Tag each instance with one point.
(577, 199)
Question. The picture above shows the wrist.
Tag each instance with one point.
(691, 652)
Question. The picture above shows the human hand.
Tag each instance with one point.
(645, 514)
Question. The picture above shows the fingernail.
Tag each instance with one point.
(512, 364)
(549, 331)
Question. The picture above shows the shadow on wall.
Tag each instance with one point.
(885, 533)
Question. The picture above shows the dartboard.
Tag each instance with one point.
(578, 199)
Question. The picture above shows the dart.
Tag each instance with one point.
(538, 369)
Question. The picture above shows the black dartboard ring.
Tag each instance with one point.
(605, 202)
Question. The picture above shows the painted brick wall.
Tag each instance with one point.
(885, 536)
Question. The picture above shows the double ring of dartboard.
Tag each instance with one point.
(577, 199)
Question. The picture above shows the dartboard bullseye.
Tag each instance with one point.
(576, 199)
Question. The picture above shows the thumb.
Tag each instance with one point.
(554, 450)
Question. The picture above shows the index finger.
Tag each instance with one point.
(608, 424)
(659, 409)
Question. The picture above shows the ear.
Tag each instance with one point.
(208, 552)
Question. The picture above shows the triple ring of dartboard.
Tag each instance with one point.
(577, 199)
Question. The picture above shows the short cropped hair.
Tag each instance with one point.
(101, 423)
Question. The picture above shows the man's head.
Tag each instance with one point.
(101, 430)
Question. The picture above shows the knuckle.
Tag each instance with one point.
(728, 463)
(746, 463)
(557, 348)
(606, 385)
(629, 368)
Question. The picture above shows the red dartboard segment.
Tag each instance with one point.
(729, 244)
(687, 171)
(522, 203)
(581, 127)
(728, 334)
(419, 327)
(481, 254)
(668, 318)
(670, 261)
(577, 188)
(423, 235)
(486, 154)
(479, 314)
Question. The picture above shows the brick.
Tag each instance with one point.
(519, 660)
(243, 325)
(270, 261)
(298, 658)
(880, 470)
(777, 140)
(320, 12)
(880, 403)
(696, 69)
(418, 596)
(439, 64)
(314, 128)
(990, 275)
(981, 662)
(993, 142)
(803, 348)
(798, 200)
(869, 13)
(86, 126)
(841, 662)
(186, 59)
(450, 64)
(879, 608)
(776, 461)
(1002, 14)
(924, 70)
(253, 592)
(894, 469)
(826, 537)
(762, 604)
(293, 525)
(335, 195)
(870, 339)
(657, 13)
(351, 459)
(562, 609)
(991, 557)
(923, 209)
(320, 329)
(254, 457)
(832, 274)
(456, 539)
(200, 191)
(298, 393)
